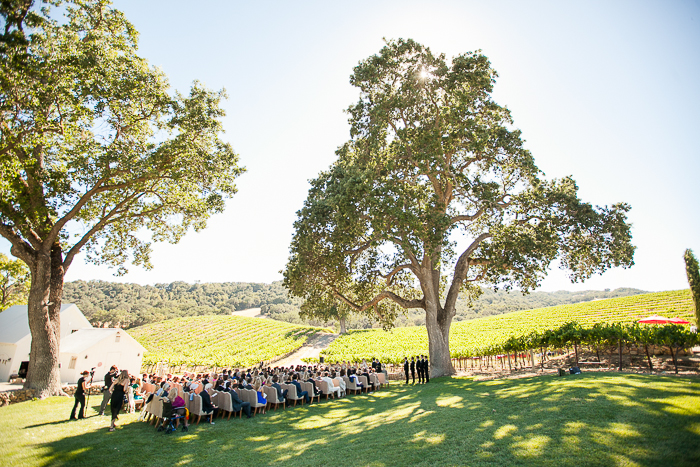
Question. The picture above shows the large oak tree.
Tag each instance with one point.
(96, 155)
(435, 194)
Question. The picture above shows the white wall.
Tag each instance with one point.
(7, 351)
(73, 319)
(21, 354)
(101, 356)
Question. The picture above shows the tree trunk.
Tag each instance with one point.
(45, 325)
(619, 346)
(437, 322)
(646, 349)
(343, 330)
(576, 352)
(673, 356)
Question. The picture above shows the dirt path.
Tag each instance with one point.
(250, 313)
(311, 349)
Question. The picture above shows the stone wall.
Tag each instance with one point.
(22, 395)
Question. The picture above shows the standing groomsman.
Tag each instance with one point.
(405, 368)
(106, 390)
(419, 369)
(413, 369)
(426, 369)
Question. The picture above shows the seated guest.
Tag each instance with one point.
(237, 403)
(179, 408)
(300, 392)
(311, 380)
(281, 393)
(353, 377)
(341, 382)
(331, 386)
(207, 406)
(262, 397)
(370, 384)
(248, 384)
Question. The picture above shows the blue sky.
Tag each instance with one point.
(604, 91)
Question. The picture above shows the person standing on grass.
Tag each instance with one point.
(426, 368)
(80, 396)
(413, 369)
(106, 394)
(419, 369)
(405, 368)
(118, 390)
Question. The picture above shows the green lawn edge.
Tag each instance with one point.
(589, 419)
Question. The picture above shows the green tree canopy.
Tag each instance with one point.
(434, 193)
(14, 282)
(96, 151)
(692, 270)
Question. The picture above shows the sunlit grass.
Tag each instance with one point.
(591, 419)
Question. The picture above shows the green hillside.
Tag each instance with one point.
(131, 305)
(220, 340)
(474, 336)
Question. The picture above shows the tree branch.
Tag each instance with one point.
(402, 302)
(389, 277)
(20, 248)
(461, 269)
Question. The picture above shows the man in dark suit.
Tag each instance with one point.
(426, 368)
(313, 383)
(300, 392)
(106, 393)
(413, 369)
(281, 393)
(419, 369)
(207, 406)
(236, 402)
(405, 368)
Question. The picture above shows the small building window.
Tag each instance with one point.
(71, 365)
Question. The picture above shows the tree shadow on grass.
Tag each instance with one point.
(587, 420)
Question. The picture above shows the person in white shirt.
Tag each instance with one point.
(331, 386)
(340, 382)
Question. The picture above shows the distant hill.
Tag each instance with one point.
(130, 305)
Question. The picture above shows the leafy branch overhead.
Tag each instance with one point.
(97, 154)
(435, 193)
(92, 135)
(14, 282)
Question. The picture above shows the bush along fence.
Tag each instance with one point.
(608, 338)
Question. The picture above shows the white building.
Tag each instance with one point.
(99, 348)
(15, 338)
(82, 346)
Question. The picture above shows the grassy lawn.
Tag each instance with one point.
(590, 419)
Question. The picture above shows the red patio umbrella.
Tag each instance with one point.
(656, 319)
(678, 321)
